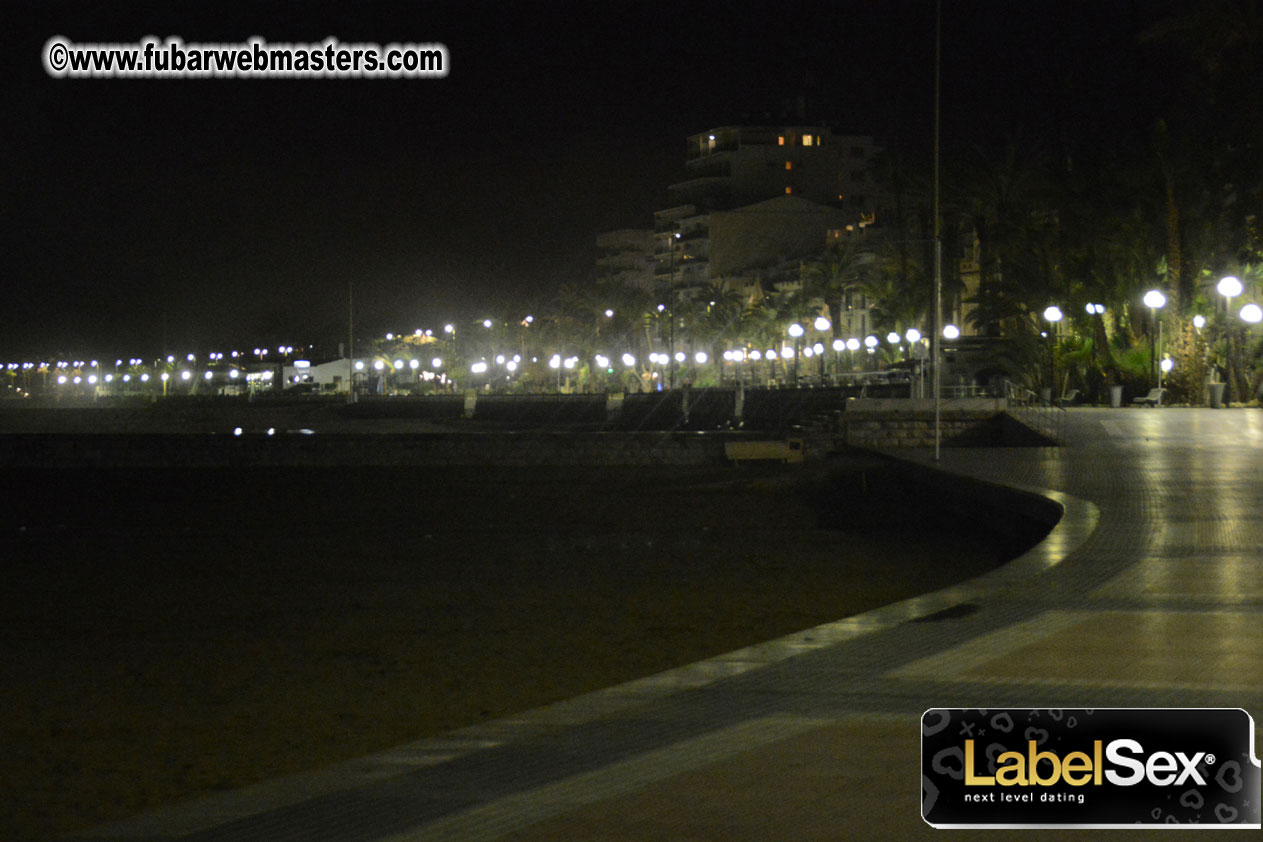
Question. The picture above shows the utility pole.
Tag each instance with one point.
(937, 336)
(350, 341)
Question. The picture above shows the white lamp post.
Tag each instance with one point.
(1155, 301)
(1054, 316)
(796, 331)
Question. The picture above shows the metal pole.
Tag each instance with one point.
(937, 335)
(671, 307)
(350, 341)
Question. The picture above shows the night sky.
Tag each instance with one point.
(225, 213)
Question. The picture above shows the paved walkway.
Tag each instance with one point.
(1149, 593)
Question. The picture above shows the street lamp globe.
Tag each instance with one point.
(893, 338)
(1167, 364)
(951, 332)
(701, 357)
(853, 344)
(1053, 313)
(1199, 321)
(913, 335)
(1251, 313)
(1155, 300)
(821, 323)
(1229, 286)
(796, 330)
(870, 341)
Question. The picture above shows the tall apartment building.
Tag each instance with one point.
(758, 200)
(739, 165)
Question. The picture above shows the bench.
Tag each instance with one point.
(1069, 398)
(1154, 398)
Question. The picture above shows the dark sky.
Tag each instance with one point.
(235, 211)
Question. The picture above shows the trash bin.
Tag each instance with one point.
(1216, 395)
(1045, 395)
(1116, 396)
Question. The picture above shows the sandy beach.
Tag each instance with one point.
(177, 631)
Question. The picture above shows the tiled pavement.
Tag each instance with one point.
(1149, 593)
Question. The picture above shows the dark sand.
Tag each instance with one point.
(173, 632)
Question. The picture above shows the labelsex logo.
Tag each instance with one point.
(1162, 768)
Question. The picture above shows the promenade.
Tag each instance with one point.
(1148, 593)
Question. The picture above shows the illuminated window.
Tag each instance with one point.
(806, 140)
(780, 141)
(788, 190)
(789, 165)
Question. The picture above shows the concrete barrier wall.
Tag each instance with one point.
(520, 449)
(878, 422)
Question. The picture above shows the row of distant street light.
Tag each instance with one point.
(135, 370)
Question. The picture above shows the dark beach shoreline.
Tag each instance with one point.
(181, 630)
